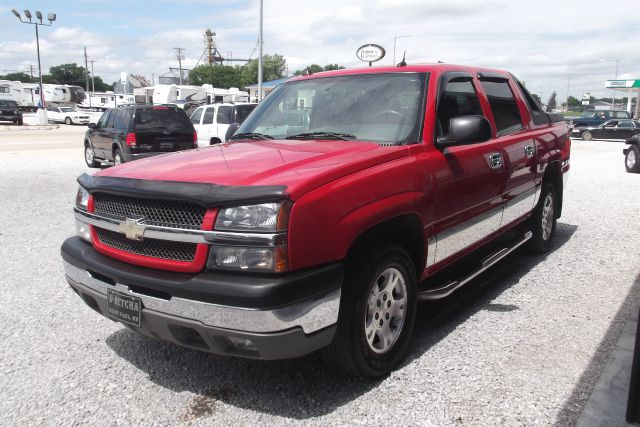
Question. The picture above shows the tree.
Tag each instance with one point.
(552, 103)
(99, 84)
(221, 76)
(333, 67)
(315, 68)
(20, 77)
(574, 102)
(273, 68)
(68, 74)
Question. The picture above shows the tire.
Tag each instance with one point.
(89, 156)
(632, 159)
(543, 222)
(363, 313)
(587, 136)
(117, 157)
(68, 121)
(214, 141)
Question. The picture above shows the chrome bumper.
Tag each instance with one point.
(311, 315)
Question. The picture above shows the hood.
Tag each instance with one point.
(299, 165)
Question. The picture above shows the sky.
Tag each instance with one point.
(550, 45)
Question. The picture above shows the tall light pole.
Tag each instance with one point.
(395, 38)
(50, 17)
(613, 100)
(260, 57)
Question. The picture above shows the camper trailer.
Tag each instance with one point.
(100, 101)
(224, 95)
(17, 91)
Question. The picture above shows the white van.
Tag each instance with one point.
(212, 121)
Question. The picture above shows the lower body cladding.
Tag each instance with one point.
(286, 331)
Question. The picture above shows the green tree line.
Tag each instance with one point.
(65, 74)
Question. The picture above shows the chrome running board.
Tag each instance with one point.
(451, 286)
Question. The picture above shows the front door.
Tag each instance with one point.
(468, 179)
(606, 131)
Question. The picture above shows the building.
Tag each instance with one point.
(267, 87)
(133, 81)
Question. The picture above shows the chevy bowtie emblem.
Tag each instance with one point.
(132, 228)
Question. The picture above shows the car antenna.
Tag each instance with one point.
(403, 63)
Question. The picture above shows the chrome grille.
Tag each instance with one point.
(153, 212)
(165, 249)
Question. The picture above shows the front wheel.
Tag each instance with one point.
(117, 157)
(632, 159)
(68, 121)
(377, 313)
(587, 136)
(543, 222)
(90, 157)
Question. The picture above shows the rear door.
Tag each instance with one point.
(516, 141)
(208, 127)
(470, 178)
(624, 129)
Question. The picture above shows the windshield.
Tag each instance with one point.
(7, 103)
(67, 110)
(384, 108)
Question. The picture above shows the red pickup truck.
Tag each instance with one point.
(341, 201)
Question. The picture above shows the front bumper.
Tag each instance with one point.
(238, 315)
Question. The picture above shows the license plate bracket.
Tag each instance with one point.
(124, 308)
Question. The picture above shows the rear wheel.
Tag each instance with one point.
(117, 157)
(543, 222)
(89, 156)
(632, 159)
(68, 121)
(587, 136)
(20, 122)
(214, 141)
(377, 312)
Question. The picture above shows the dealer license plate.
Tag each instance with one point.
(123, 307)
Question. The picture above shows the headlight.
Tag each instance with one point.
(82, 199)
(266, 217)
(273, 256)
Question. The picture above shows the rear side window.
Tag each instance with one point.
(122, 119)
(225, 115)
(504, 107)
(171, 119)
(620, 114)
(459, 99)
(539, 116)
(208, 116)
(625, 124)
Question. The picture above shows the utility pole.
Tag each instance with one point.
(260, 58)
(93, 83)
(613, 100)
(31, 67)
(568, 86)
(86, 74)
(153, 79)
(180, 58)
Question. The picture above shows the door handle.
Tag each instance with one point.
(529, 150)
(495, 160)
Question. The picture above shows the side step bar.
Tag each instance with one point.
(449, 287)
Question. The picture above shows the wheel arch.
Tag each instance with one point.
(405, 229)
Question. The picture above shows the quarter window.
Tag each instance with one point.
(504, 107)
(459, 99)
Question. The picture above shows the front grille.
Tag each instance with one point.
(153, 212)
(165, 249)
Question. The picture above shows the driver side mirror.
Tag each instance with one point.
(465, 130)
(231, 130)
(91, 126)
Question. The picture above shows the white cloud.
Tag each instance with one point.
(541, 43)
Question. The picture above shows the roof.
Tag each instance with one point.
(269, 84)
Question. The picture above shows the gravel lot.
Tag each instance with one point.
(521, 345)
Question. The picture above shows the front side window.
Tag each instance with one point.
(195, 117)
(611, 124)
(102, 123)
(459, 99)
(382, 108)
(504, 107)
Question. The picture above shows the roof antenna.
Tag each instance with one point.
(403, 63)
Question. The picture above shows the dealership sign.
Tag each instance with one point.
(622, 84)
(370, 53)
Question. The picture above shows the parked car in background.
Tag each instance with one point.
(632, 154)
(597, 117)
(132, 132)
(612, 129)
(67, 115)
(9, 111)
(212, 121)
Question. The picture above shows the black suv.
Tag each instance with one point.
(9, 111)
(135, 131)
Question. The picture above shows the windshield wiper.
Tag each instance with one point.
(250, 135)
(323, 135)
